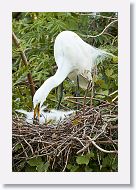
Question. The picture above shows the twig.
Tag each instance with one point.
(63, 148)
(75, 102)
(107, 142)
(78, 140)
(82, 97)
(111, 23)
(84, 148)
(95, 121)
(113, 41)
(72, 97)
(103, 129)
(101, 149)
(53, 143)
(96, 15)
(24, 150)
(66, 159)
(29, 145)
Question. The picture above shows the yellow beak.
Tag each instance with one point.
(37, 111)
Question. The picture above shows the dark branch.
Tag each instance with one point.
(24, 59)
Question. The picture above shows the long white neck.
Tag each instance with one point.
(53, 82)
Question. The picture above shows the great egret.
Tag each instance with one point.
(74, 57)
(53, 115)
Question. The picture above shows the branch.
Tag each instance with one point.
(24, 59)
(99, 142)
(101, 149)
(66, 159)
(111, 23)
(90, 14)
(85, 95)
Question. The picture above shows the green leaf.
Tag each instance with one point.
(35, 161)
(109, 72)
(30, 169)
(115, 166)
(100, 82)
(105, 92)
(17, 147)
(21, 165)
(75, 121)
(88, 169)
(72, 168)
(115, 59)
(69, 166)
(83, 159)
(90, 155)
(101, 94)
(43, 167)
(106, 161)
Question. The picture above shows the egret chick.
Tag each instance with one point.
(54, 116)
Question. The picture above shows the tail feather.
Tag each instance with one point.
(102, 55)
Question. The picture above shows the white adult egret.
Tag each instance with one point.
(74, 57)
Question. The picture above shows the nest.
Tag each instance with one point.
(91, 128)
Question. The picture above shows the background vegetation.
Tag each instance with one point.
(36, 33)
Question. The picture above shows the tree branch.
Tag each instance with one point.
(111, 23)
(24, 59)
(101, 149)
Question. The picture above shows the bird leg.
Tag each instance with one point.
(60, 95)
(94, 74)
(77, 92)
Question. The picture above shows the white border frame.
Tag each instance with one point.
(123, 174)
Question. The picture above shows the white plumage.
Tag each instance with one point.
(53, 116)
(73, 57)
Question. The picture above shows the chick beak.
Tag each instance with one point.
(37, 112)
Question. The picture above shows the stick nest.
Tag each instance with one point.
(92, 128)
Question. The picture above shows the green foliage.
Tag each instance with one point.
(17, 147)
(108, 163)
(36, 32)
(84, 159)
(35, 161)
(89, 163)
(36, 164)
